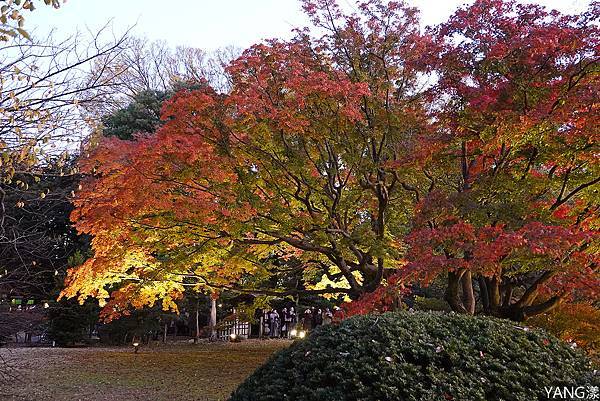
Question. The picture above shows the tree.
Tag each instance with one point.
(371, 154)
(141, 115)
(12, 21)
(43, 87)
(142, 66)
(43, 94)
(70, 323)
(36, 244)
(307, 156)
(36, 239)
(511, 211)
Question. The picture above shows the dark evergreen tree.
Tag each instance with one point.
(142, 115)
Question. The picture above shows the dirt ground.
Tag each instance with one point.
(186, 372)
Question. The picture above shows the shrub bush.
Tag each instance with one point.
(70, 323)
(431, 304)
(418, 356)
(579, 322)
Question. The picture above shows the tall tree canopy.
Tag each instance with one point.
(336, 150)
(513, 200)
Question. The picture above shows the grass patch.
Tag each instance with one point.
(203, 372)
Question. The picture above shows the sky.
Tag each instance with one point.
(211, 24)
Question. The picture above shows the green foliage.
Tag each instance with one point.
(142, 115)
(418, 356)
(36, 239)
(143, 323)
(431, 304)
(70, 323)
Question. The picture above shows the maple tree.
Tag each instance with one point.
(306, 157)
(372, 154)
(512, 206)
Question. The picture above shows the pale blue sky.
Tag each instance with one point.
(209, 24)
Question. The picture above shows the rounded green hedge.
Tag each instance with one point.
(418, 356)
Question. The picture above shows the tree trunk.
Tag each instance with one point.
(493, 287)
(165, 333)
(543, 307)
(468, 297)
(213, 318)
(484, 295)
(508, 292)
(197, 338)
(519, 313)
(452, 295)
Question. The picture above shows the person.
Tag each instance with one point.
(275, 323)
(285, 324)
(292, 321)
(319, 318)
(307, 322)
(338, 314)
(257, 326)
(266, 323)
(327, 317)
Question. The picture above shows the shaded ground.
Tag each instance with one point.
(203, 372)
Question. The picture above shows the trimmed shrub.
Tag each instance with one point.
(418, 356)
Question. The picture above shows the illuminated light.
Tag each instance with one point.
(136, 344)
(220, 305)
(233, 336)
(302, 334)
(136, 347)
(294, 333)
(46, 305)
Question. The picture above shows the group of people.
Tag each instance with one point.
(315, 317)
(283, 324)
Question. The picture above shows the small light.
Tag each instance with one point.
(220, 305)
(136, 347)
(302, 334)
(136, 344)
(46, 305)
(294, 333)
(233, 336)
